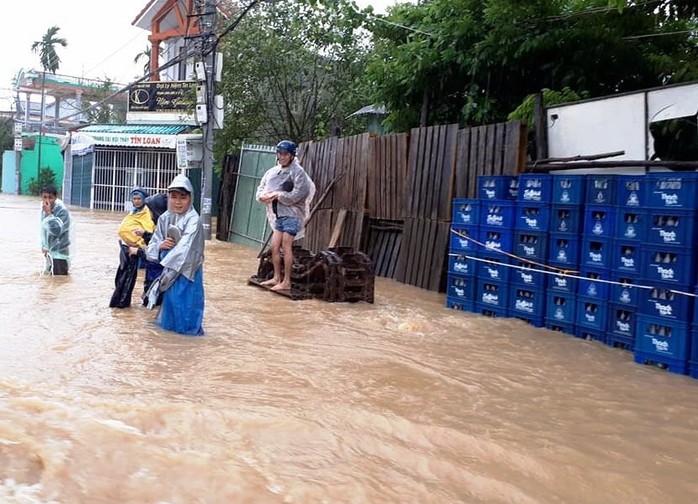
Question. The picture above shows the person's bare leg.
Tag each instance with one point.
(288, 263)
(276, 240)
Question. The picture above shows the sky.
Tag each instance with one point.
(102, 43)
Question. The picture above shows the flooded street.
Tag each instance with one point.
(281, 401)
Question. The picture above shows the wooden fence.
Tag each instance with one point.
(391, 196)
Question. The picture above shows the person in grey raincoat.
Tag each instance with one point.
(55, 232)
(286, 191)
(178, 244)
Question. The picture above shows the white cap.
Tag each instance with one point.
(181, 182)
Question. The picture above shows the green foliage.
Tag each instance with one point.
(474, 62)
(46, 47)
(46, 177)
(525, 111)
(7, 134)
(292, 70)
(100, 110)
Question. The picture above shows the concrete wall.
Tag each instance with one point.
(618, 122)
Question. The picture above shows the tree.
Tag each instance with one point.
(46, 47)
(145, 54)
(292, 70)
(472, 62)
(100, 111)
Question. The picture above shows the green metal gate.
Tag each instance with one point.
(248, 223)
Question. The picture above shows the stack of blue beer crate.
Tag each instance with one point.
(664, 316)
(599, 256)
(566, 230)
(530, 237)
(497, 197)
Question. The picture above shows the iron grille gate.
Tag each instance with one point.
(117, 171)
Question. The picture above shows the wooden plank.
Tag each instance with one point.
(481, 150)
(490, 147)
(445, 190)
(511, 148)
(498, 160)
(439, 261)
(396, 248)
(431, 179)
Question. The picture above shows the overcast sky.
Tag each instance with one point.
(101, 40)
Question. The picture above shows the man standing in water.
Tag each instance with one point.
(55, 232)
(286, 190)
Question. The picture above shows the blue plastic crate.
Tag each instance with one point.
(670, 226)
(490, 311)
(566, 219)
(494, 269)
(562, 282)
(462, 240)
(535, 321)
(601, 189)
(592, 285)
(466, 212)
(671, 266)
(666, 338)
(561, 307)
(531, 245)
(460, 304)
(599, 221)
(568, 189)
(622, 321)
(497, 214)
(460, 264)
(497, 187)
(527, 274)
(592, 313)
(495, 294)
(595, 252)
(527, 302)
(631, 224)
(563, 250)
(561, 327)
(535, 188)
(460, 287)
(624, 291)
(627, 258)
(671, 190)
(495, 239)
(532, 217)
(631, 191)
(590, 334)
(693, 356)
(665, 302)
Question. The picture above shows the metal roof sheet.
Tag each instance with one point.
(136, 129)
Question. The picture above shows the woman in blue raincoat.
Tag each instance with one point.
(178, 243)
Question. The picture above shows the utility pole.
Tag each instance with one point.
(208, 20)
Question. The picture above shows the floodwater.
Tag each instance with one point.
(401, 401)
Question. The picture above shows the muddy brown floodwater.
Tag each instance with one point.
(401, 401)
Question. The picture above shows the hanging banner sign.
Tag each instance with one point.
(162, 96)
(135, 140)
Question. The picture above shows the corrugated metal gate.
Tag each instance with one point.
(248, 225)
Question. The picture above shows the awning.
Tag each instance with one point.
(136, 135)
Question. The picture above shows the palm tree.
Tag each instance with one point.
(46, 47)
(145, 54)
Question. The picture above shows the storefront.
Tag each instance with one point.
(104, 162)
